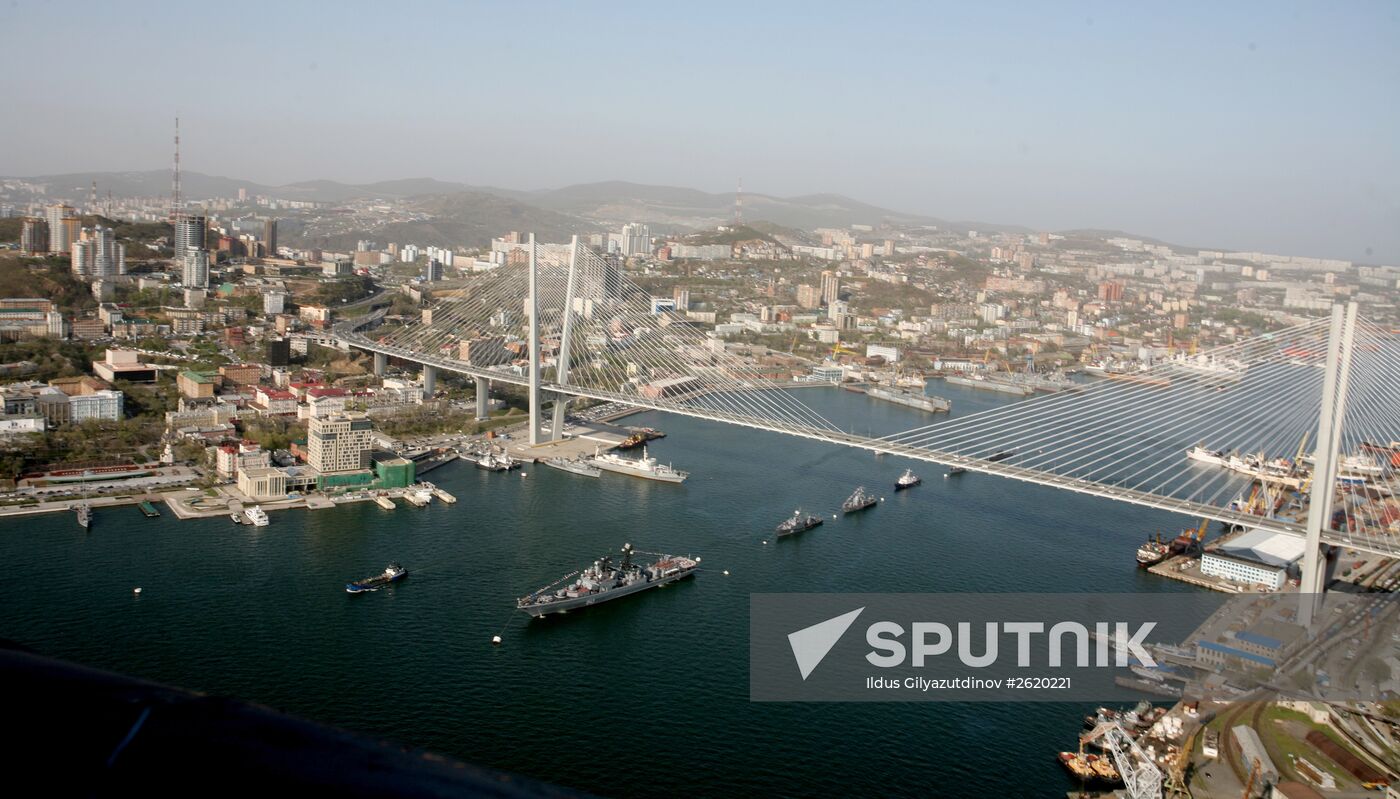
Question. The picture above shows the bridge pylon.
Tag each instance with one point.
(532, 311)
(1326, 457)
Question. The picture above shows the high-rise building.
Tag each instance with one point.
(269, 238)
(831, 287)
(189, 231)
(274, 302)
(809, 296)
(339, 442)
(194, 268)
(63, 227)
(97, 254)
(432, 270)
(34, 236)
(635, 240)
(682, 298)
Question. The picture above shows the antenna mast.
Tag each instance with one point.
(739, 204)
(175, 182)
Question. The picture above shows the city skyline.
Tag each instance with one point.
(1210, 127)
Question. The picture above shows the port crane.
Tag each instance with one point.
(1141, 777)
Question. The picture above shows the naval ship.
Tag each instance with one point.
(603, 581)
(645, 467)
(798, 523)
(577, 466)
(860, 500)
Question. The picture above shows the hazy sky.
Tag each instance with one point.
(1268, 126)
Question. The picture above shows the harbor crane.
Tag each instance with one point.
(1141, 777)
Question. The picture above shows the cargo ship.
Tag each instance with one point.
(994, 457)
(603, 582)
(1152, 552)
(799, 523)
(981, 381)
(911, 399)
(392, 574)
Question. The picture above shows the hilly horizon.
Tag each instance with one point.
(603, 201)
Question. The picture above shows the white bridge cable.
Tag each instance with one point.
(1024, 413)
(1063, 417)
(1370, 427)
(726, 384)
(1258, 398)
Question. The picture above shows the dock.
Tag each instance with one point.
(384, 502)
(415, 499)
(148, 509)
(443, 495)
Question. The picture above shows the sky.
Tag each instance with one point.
(1270, 126)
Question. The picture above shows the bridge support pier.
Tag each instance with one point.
(381, 363)
(1313, 577)
(483, 398)
(429, 381)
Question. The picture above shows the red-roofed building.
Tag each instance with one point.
(274, 402)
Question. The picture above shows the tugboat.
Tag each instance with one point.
(799, 523)
(257, 516)
(393, 573)
(603, 581)
(907, 480)
(858, 501)
(633, 441)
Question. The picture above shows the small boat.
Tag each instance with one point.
(907, 480)
(84, 512)
(392, 574)
(236, 517)
(799, 523)
(858, 501)
(257, 516)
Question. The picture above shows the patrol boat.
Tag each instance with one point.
(579, 466)
(799, 523)
(603, 581)
(907, 480)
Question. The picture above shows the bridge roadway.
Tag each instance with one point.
(347, 332)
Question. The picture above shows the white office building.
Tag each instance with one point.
(194, 271)
(635, 240)
(340, 442)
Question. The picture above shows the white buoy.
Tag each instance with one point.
(765, 543)
(496, 639)
(136, 590)
(726, 572)
(697, 560)
(833, 516)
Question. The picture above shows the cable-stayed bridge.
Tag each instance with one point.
(1262, 415)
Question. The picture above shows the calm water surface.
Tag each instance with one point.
(653, 685)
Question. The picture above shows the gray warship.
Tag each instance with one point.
(603, 581)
